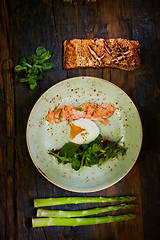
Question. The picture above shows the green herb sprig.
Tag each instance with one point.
(30, 69)
(80, 109)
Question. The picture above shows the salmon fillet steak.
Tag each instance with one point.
(87, 110)
(115, 53)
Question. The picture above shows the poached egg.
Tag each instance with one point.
(83, 131)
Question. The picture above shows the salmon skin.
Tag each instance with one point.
(115, 53)
(87, 110)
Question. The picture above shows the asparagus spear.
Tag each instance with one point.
(44, 222)
(80, 213)
(75, 200)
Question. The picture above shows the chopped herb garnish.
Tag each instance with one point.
(60, 116)
(58, 110)
(80, 109)
(84, 133)
(104, 108)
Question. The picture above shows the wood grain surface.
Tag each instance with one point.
(23, 26)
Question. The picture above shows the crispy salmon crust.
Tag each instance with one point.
(115, 53)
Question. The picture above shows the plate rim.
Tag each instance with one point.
(94, 190)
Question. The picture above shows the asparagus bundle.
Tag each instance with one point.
(44, 222)
(69, 218)
(76, 200)
(80, 213)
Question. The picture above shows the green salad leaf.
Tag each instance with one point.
(40, 50)
(96, 152)
(76, 162)
(69, 149)
(30, 69)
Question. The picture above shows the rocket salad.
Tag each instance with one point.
(95, 153)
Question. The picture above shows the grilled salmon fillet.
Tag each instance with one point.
(116, 53)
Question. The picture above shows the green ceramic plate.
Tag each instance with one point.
(42, 135)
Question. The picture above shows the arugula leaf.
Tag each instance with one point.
(32, 67)
(91, 155)
(69, 149)
(61, 159)
(76, 163)
(96, 148)
(111, 151)
(97, 140)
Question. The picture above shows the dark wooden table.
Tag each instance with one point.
(23, 26)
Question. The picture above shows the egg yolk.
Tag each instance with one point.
(75, 130)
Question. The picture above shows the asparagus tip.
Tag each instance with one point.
(33, 223)
(35, 203)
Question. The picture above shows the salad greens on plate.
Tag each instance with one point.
(95, 153)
